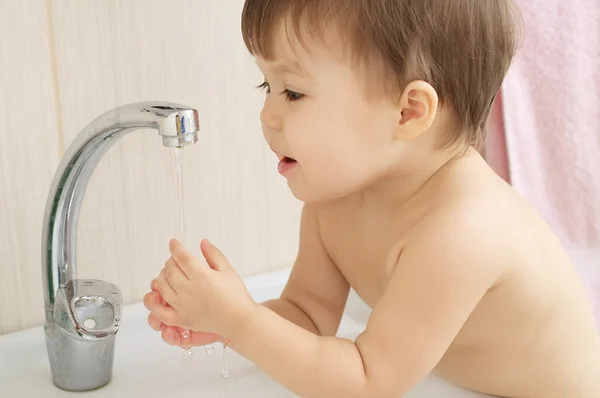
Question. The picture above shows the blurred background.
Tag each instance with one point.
(65, 62)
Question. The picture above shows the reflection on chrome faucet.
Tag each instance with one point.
(82, 316)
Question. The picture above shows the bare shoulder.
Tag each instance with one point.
(472, 215)
(483, 212)
(462, 237)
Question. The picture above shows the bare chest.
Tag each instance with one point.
(365, 247)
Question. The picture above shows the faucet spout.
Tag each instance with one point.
(66, 328)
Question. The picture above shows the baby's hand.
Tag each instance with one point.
(212, 299)
(174, 335)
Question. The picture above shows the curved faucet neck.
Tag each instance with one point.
(177, 124)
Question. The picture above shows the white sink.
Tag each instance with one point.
(147, 367)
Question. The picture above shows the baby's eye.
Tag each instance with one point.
(292, 95)
(264, 85)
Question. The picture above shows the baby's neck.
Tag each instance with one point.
(400, 186)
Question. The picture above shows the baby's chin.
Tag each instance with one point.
(311, 194)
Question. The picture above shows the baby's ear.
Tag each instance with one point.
(418, 107)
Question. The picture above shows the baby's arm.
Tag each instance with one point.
(316, 293)
(445, 269)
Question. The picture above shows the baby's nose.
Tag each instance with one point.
(271, 121)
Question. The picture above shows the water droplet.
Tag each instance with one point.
(210, 349)
(224, 373)
(185, 333)
(187, 353)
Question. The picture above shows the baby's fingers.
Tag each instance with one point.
(154, 288)
(150, 300)
(202, 338)
(155, 323)
(171, 335)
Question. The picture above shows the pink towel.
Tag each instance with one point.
(547, 144)
(551, 105)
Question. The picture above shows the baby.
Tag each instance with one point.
(374, 110)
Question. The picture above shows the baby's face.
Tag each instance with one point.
(316, 113)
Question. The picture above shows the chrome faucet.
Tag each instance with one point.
(83, 315)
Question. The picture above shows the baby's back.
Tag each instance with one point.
(533, 334)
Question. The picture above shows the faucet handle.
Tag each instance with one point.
(88, 308)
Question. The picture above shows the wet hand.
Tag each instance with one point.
(174, 335)
(199, 298)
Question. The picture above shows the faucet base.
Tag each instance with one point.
(81, 337)
(79, 365)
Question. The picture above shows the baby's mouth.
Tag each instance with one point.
(286, 163)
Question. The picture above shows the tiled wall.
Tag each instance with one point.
(62, 64)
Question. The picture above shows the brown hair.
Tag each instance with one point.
(463, 48)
